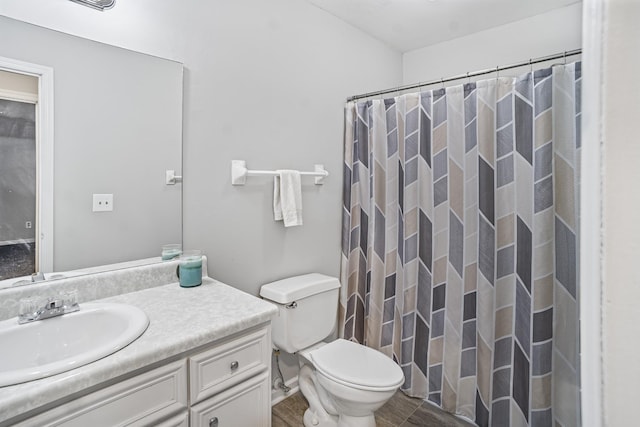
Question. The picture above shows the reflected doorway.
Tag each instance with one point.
(26, 168)
(18, 175)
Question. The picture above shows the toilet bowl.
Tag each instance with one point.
(343, 381)
(351, 381)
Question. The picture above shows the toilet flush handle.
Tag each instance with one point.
(292, 305)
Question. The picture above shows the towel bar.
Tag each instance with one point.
(239, 173)
(171, 178)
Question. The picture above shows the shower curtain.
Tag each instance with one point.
(459, 243)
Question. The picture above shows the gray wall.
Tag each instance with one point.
(118, 127)
(279, 76)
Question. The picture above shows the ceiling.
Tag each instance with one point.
(411, 24)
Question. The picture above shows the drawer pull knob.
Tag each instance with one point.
(213, 422)
(234, 365)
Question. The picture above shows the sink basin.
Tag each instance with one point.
(47, 347)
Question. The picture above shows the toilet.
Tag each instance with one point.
(344, 382)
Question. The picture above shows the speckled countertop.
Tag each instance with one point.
(181, 319)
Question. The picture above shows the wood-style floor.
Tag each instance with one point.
(399, 411)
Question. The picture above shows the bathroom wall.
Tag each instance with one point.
(621, 199)
(270, 88)
(264, 82)
(556, 31)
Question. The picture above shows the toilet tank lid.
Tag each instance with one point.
(287, 290)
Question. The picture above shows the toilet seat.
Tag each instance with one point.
(356, 366)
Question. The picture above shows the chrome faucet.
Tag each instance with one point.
(37, 277)
(36, 309)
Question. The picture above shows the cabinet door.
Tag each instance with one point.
(142, 400)
(247, 404)
(180, 420)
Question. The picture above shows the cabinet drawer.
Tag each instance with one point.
(228, 364)
(145, 399)
(247, 404)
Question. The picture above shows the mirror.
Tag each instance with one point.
(114, 126)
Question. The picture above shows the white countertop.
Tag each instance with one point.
(181, 319)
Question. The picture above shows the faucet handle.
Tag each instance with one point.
(29, 308)
(70, 300)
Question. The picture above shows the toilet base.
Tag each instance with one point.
(322, 411)
(311, 420)
(333, 404)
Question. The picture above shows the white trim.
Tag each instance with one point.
(45, 140)
(591, 221)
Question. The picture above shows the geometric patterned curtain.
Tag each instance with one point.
(459, 243)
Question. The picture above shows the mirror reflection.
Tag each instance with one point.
(87, 133)
(18, 181)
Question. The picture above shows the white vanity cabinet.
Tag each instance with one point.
(224, 384)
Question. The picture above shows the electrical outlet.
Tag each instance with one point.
(28, 224)
(102, 202)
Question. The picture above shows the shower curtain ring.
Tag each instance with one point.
(530, 66)
(565, 57)
(442, 82)
(468, 78)
(497, 72)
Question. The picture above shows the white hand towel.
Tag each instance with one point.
(287, 198)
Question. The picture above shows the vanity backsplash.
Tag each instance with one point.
(94, 286)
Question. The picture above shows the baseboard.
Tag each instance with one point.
(278, 395)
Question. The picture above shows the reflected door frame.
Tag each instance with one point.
(44, 157)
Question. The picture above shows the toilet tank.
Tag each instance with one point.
(307, 310)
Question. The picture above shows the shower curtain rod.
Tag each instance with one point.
(468, 75)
